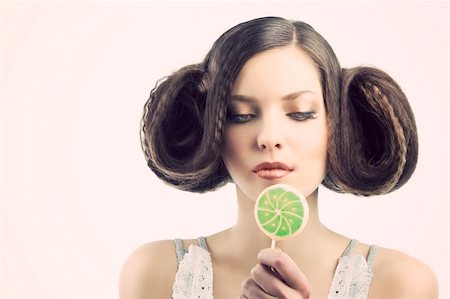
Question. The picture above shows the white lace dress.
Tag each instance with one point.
(194, 278)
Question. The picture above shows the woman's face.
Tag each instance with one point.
(276, 129)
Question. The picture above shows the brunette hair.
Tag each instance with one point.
(372, 146)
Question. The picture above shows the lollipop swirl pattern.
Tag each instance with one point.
(281, 212)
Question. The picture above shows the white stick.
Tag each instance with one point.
(273, 244)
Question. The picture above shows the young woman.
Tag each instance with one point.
(270, 104)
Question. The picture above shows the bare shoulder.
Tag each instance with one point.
(398, 275)
(149, 272)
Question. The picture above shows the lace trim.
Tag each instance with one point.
(194, 278)
(351, 279)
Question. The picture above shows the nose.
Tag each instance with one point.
(270, 136)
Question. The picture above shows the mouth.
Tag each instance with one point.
(271, 171)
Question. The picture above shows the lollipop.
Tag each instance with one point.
(281, 212)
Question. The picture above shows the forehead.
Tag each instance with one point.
(276, 73)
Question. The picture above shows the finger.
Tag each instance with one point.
(286, 268)
(252, 290)
(270, 282)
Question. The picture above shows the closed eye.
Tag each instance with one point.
(300, 116)
(240, 118)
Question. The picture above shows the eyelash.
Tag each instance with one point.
(240, 118)
(243, 118)
(302, 116)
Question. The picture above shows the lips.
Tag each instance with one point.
(271, 171)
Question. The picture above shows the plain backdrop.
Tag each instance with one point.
(76, 196)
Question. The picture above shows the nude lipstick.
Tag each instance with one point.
(272, 171)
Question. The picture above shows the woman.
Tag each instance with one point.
(270, 104)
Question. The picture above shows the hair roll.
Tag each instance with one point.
(375, 147)
(172, 127)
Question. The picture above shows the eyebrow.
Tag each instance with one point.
(288, 97)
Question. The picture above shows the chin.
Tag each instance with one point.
(307, 190)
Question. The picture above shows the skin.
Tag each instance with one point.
(242, 260)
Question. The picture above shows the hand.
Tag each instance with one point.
(275, 276)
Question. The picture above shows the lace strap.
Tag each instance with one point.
(371, 256)
(202, 243)
(194, 276)
(353, 243)
(180, 250)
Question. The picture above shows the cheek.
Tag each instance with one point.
(313, 150)
(322, 152)
(313, 141)
(320, 137)
(319, 147)
(312, 162)
(231, 148)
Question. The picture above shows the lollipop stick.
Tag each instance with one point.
(273, 246)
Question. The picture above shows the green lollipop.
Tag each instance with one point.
(281, 212)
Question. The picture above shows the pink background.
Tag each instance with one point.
(76, 196)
